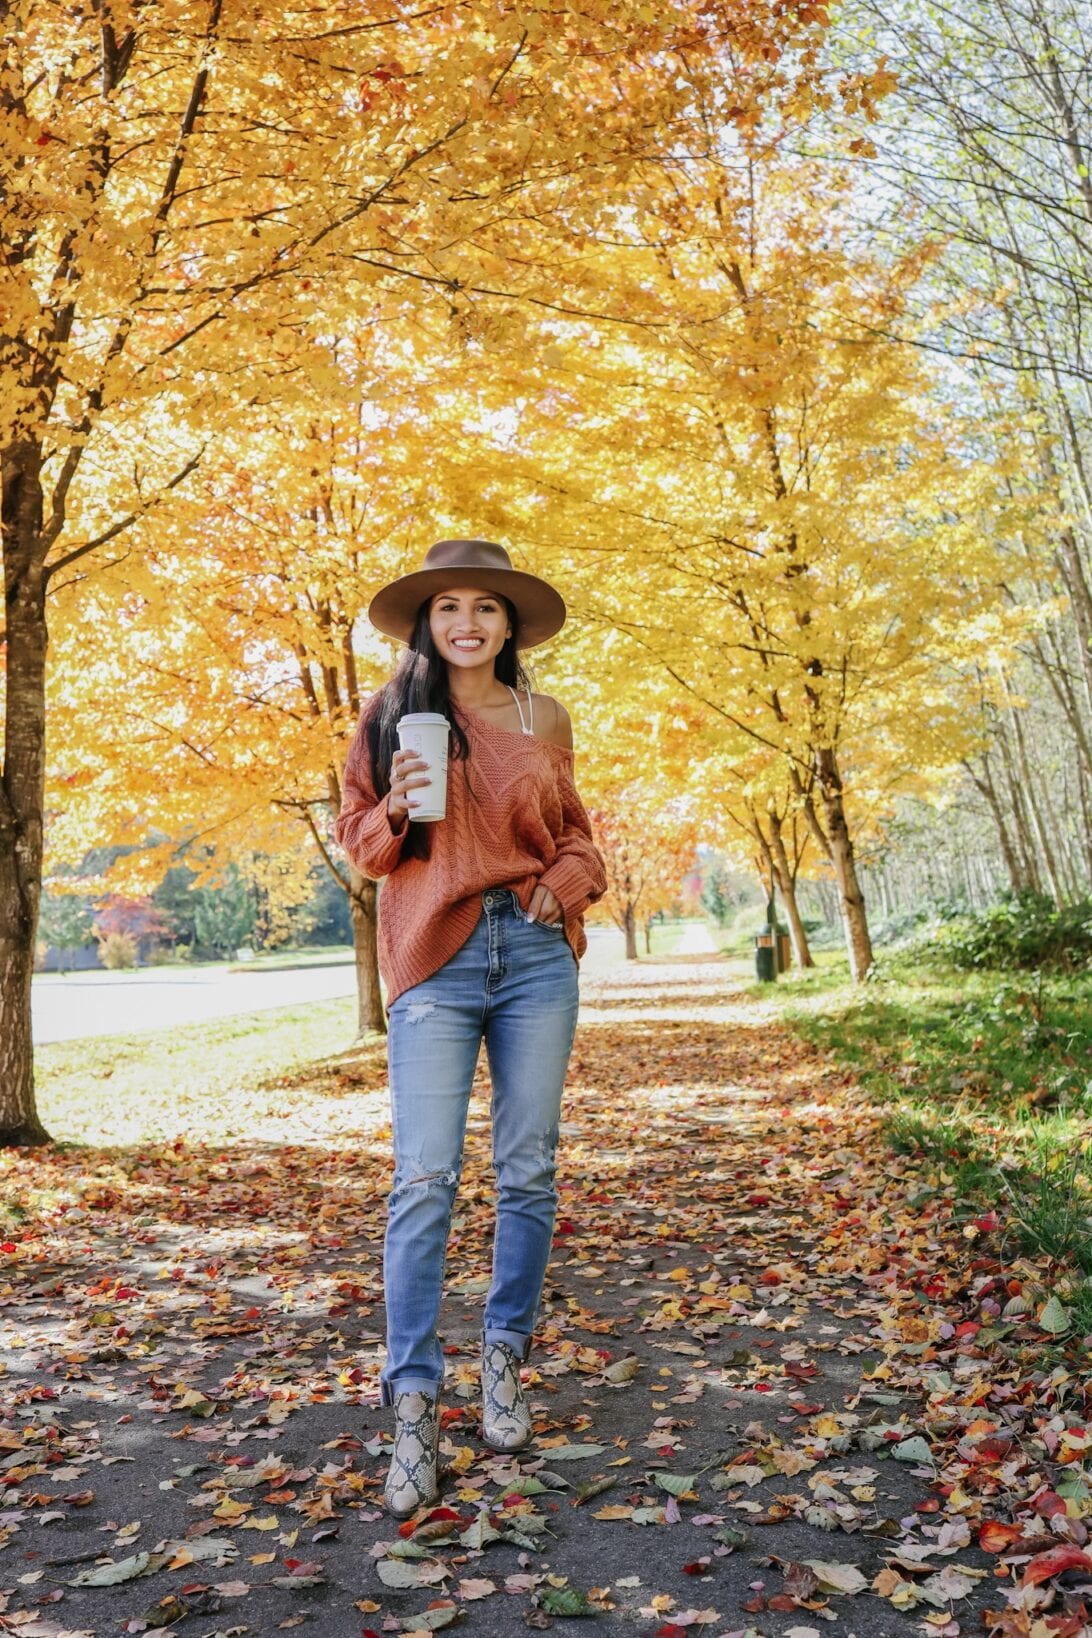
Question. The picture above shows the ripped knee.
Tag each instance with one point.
(444, 1179)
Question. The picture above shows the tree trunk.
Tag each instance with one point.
(629, 927)
(1080, 602)
(1042, 835)
(854, 917)
(1029, 861)
(648, 936)
(22, 790)
(786, 881)
(363, 906)
(1086, 824)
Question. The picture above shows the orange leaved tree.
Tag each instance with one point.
(200, 199)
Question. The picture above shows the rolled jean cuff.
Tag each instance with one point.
(409, 1384)
(516, 1340)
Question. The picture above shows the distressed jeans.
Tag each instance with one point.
(513, 983)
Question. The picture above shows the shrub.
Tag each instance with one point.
(1023, 929)
(118, 950)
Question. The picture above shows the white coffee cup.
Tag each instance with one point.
(426, 733)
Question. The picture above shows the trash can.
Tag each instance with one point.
(765, 955)
(784, 950)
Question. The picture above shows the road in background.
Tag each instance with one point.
(73, 1006)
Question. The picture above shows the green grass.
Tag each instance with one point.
(311, 955)
(984, 1077)
(186, 1081)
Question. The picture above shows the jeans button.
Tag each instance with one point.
(488, 899)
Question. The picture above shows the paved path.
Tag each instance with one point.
(696, 940)
(764, 1401)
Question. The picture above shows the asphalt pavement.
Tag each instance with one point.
(75, 1006)
(72, 1006)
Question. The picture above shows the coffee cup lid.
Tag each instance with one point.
(423, 719)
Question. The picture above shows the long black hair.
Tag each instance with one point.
(420, 683)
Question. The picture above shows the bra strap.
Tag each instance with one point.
(527, 724)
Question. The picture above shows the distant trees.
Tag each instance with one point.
(985, 144)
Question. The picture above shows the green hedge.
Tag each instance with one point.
(1023, 929)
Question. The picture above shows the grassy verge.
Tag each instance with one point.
(986, 1079)
(190, 1081)
(279, 1075)
(665, 936)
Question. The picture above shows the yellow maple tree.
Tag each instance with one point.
(789, 513)
(200, 201)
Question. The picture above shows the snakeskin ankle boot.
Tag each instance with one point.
(506, 1421)
(411, 1477)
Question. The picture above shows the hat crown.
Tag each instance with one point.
(467, 554)
(483, 564)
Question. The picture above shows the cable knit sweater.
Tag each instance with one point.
(527, 825)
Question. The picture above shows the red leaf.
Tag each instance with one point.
(1054, 1562)
(995, 1537)
(1048, 1505)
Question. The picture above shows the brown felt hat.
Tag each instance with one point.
(451, 563)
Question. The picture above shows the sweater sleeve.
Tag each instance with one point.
(362, 827)
(576, 877)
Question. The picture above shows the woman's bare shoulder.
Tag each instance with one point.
(552, 721)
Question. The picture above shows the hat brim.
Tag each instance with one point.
(541, 609)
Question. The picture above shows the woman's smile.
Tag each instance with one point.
(469, 623)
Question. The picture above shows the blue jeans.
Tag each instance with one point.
(515, 983)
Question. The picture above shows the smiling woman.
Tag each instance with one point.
(480, 932)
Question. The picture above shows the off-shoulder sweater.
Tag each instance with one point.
(516, 823)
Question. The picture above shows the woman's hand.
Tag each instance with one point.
(408, 771)
(545, 907)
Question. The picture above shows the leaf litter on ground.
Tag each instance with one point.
(743, 1250)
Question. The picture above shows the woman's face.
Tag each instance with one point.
(469, 626)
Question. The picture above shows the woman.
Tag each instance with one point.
(480, 932)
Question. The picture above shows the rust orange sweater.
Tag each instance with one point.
(524, 824)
